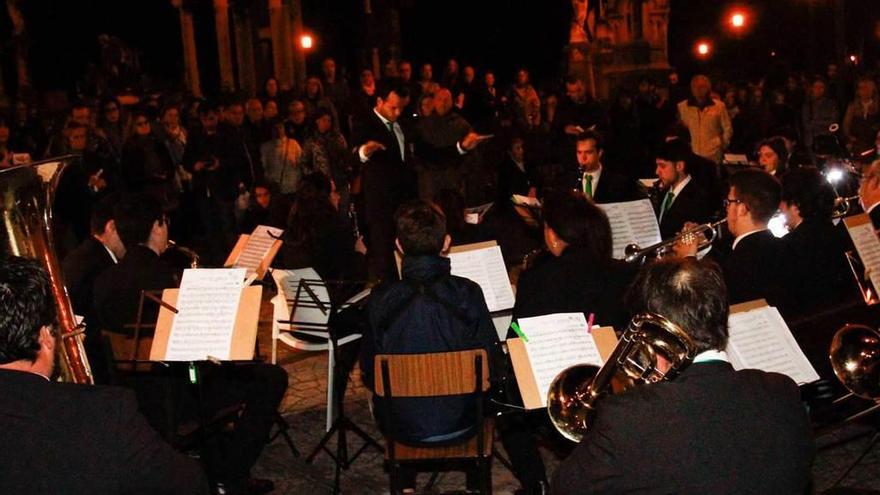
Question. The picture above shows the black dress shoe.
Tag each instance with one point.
(257, 486)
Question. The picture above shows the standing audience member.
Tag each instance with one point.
(706, 119)
(280, 158)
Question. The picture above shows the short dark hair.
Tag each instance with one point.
(675, 150)
(387, 86)
(579, 222)
(758, 190)
(102, 213)
(777, 144)
(26, 305)
(688, 292)
(807, 188)
(135, 215)
(421, 229)
(591, 135)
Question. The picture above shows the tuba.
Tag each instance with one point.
(572, 397)
(28, 192)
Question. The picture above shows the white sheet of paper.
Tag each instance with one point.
(760, 339)
(631, 222)
(486, 268)
(649, 183)
(207, 306)
(521, 200)
(306, 315)
(474, 216)
(737, 159)
(256, 248)
(868, 246)
(556, 342)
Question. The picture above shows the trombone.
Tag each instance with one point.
(843, 206)
(710, 231)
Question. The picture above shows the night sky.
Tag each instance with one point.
(498, 34)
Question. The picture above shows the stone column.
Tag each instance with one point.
(280, 40)
(188, 39)
(244, 44)
(224, 46)
(19, 45)
(299, 55)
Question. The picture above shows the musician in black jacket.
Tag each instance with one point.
(388, 179)
(869, 192)
(682, 199)
(66, 438)
(593, 179)
(709, 430)
(578, 273)
(821, 276)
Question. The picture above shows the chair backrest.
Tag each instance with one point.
(432, 375)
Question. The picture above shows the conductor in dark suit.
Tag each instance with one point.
(388, 178)
(869, 193)
(593, 179)
(711, 429)
(682, 199)
(66, 438)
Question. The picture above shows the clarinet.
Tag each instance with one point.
(353, 218)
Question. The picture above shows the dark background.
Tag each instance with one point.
(498, 34)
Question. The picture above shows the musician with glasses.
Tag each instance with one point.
(709, 430)
(66, 438)
(757, 265)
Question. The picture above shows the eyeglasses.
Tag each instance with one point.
(729, 201)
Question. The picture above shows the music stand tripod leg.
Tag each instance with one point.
(858, 460)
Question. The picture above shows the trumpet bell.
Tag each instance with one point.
(855, 357)
(569, 412)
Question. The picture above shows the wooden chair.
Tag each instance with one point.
(436, 375)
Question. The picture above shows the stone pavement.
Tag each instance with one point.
(304, 408)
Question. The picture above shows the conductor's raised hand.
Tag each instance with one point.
(371, 147)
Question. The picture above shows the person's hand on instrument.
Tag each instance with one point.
(371, 147)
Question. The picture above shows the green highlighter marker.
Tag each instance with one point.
(519, 332)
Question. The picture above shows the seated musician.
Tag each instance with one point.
(709, 430)
(869, 192)
(821, 276)
(682, 199)
(594, 179)
(429, 310)
(757, 265)
(66, 438)
(82, 266)
(578, 273)
(259, 387)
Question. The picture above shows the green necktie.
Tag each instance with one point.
(588, 185)
(667, 202)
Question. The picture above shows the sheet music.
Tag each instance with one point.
(760, 339)
(207, 307)
(868, 246)
(307, 312)
(631, 222)
(475, 215)
(486, 268)
(521, 200)
(257, 247)
(556, 342)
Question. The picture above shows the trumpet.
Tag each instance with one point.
(710, 231)
(573, 393)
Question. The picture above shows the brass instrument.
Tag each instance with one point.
(28, 193)
(189, 254)
(634, 253)
(855, 358)
(843, 205)
(573, 393)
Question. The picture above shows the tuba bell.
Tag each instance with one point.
(28, 192)
(573, 394)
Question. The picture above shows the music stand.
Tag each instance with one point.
(307, 298)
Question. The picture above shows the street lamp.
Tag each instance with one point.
(306, 41)
(703, 48)
(738, 20)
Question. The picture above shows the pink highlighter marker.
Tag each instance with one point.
(590, 321)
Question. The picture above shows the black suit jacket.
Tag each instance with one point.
(759, 267)
(612, 188)
(75, 439)
(81, 267)
(711, 430)
(574, 282)
(117, 290)
(691, 205)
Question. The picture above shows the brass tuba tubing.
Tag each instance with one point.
(28, 192)
(843, 205)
